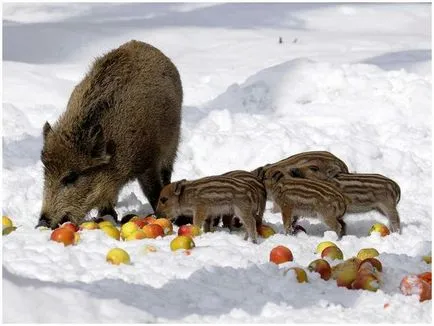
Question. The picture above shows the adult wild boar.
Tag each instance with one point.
(122, 122)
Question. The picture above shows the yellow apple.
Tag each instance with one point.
(105, 223)
(367, 253)
(332, 252)
(118, 256)
(7, 222)
(90, 225)
(182, 242)
(299, 273)
(136, 235)
(76, 238)
(346, 272)
(381, 228)
(165, 224)
(265, 231)
(322, 245)
(111, 231)
(128, 228)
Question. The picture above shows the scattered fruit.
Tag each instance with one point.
(427, 277)
(153, 231)
(367, 253)
(111, 231)
(280, 254)
(149, 219)
(118, 256)
(332, 252)
(322, 245)
(366, 282)
(376, 264)
(265, 231)
(165, 224)
(63, 235)
(427, 259)
(105, 223)
(322, 267)
(7, 222)
(76, 238)
(71, 226)
(381, 228)
(136, 235)
(345, 273)
(412, 284)
(139, 221)
(8, 230)
(90, 225)
(299, 273)
(182, 242)
(128, 228)
(189, 230)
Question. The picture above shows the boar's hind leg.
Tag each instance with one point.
(151, 185)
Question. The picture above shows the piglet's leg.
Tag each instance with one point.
(199, 216)
(392, 214)
(287, 219)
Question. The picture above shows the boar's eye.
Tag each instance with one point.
(70, 178)
(163, 200)
(314, 168)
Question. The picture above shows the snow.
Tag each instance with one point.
(356, 82)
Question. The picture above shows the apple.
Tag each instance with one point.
(153, 231)
(412, 284)
(332, 252)
(140, 222)
(7, 230)
(367, 253)
(299, 228)
(427, 277)
(149, 248)
(265, 231)
(63, 235)
(117, 256)
(136, 235)
(375, 263)
(128, 228)
(7, 222)
(189, 230)
(71, 226)
(346, 272)
(299, 273)
(90, 225)
(322, 267)
(366, 282)
(111, 231)
(127, 218)
(322, 245)
(280, 254)
(76, 238)
(165, 224)
(381, 228)
(182, 242)
(427, 259)
(105, 223)
(149, 219)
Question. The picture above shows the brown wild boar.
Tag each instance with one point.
(366, 192)
(122, 123)
(303, 197)
(212, 196)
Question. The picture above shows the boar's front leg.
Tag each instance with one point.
(151, 185)
(108, 209)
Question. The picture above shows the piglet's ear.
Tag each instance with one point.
(276, 176)
(179, 187)
(46, 130)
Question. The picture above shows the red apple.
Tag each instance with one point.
(71, 226)
(322, 267)
(63, 235)
(366, 282)
(165, 224)
(375, 263)
(189, 230)
(153, 231)
(265, 231)
(149, 219)
(427, 277)
(140, 222)
(332, 252)
(280, 254)
(412, 284)
(381, 228)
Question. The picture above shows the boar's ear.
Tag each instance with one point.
(46, 130)
(179, 187)
(98, 148)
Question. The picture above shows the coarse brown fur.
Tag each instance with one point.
(303, 197)
(212, 196)
(122, 122)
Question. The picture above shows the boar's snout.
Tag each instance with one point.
(45, 221)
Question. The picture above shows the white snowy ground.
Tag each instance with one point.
(351, 79)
